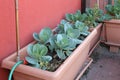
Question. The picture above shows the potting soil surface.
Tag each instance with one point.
(106, 65)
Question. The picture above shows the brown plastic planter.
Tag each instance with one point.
(112, 31)
(67, 71)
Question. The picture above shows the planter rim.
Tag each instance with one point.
(43, 72)
(113, 21)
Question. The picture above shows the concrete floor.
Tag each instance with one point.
(106, 65)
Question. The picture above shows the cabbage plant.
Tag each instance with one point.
(114, 10)
(76, 16)
(37, 56)
(44, 35)
(93, 15)
(64, 46)
(83, 29)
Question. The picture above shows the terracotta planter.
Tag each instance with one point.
(112, 31)
(67, 71)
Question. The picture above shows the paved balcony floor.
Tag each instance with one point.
(106, 65)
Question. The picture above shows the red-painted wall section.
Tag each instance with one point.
(33, 15)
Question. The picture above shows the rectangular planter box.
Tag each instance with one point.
(112, 31)
(112, 37)
(67, 71)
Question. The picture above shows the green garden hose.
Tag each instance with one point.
(13, 68)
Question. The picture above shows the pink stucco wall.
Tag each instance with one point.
(33, 15)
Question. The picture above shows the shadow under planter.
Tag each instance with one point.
(112, 37)
(67, 71)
